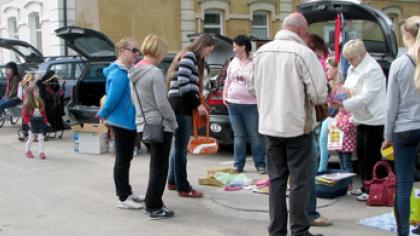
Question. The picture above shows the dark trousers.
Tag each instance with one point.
(178, 160)
(124, 147)
(405, 145)
(159, 164)
(369, 141)
(289, 156)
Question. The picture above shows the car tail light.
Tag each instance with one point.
(215, 98)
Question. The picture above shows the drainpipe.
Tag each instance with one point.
(66, 50)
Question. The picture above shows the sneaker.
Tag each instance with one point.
(261, 170)
(129, 204)
(137, 198)
(171, 187)
(29, 154)
(147, 211)
(356, 192)
(309, 234)
(192, 194)
(363, 197)
(162, 213)
(238, 170)
(42, 156)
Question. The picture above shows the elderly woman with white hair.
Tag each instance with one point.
(367, 92)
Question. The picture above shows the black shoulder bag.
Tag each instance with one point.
(151, 133)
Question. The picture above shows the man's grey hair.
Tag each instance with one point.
(294, 21)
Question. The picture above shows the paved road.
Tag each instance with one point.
(73, 194)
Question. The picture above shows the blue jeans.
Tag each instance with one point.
(244, 121)
(312, 213)
(7, 103)
(345, 161)
(178, 157)
(323, 146)
(405, 144)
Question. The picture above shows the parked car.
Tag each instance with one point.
(26, 56)
(30, 59)
(99, 50)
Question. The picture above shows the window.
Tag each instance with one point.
(260, 28)
(12, 27)
(213, 22)
(35, 30)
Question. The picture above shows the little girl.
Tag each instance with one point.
(349, 140)
(33, 115)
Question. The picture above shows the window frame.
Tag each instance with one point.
(266, 27)
(213, 26)
(15, 33)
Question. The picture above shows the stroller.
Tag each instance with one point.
(52, 93)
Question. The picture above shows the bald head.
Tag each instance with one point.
(297, 23)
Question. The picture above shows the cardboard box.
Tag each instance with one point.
(90, 138)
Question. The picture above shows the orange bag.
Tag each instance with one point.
(200, 145)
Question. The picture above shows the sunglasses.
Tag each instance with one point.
(133, 50)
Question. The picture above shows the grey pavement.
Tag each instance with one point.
(74, 194)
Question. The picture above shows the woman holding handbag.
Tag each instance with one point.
(402, 126)
(242, 107)
(185, 79)
(149, 95)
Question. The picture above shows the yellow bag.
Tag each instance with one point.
(415, 207)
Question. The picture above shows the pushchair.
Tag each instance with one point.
(52, 93)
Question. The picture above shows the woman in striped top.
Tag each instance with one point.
(185, 79)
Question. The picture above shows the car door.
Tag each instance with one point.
(99, 50)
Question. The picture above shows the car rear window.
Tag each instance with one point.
(94, 47)
(369, 31)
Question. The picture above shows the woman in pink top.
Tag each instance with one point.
(242, 106)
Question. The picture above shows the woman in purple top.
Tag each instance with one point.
(242, 106)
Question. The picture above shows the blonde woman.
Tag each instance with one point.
(119, 113)
(402, 126)
(149, 95)
(366, 83)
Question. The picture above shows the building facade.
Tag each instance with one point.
(34, 21)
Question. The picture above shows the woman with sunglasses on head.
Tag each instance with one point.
(150, 97)
(402, 122)
(119, 113)
(185, 78)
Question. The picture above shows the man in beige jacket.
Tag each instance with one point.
(288, 80)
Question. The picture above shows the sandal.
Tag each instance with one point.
(321, 221)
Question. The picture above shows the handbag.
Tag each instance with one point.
(200, 145)
(415, 206)
(152, 133)
(321, 112)
(381, 191)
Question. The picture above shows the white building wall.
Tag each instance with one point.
(51, 17)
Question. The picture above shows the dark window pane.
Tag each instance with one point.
(259, 19)
(260, 33)
(212, 18)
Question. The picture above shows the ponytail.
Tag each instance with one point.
(416, 52)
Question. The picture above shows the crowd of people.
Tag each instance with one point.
(271, 98)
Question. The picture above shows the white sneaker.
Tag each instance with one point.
(129, 204)
(137, 198)
(363, 197)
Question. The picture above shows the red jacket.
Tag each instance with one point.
(27, 114)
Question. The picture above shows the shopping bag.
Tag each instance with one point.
(335, 138)
(415, 207)
(381, 191)
(200, 145)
